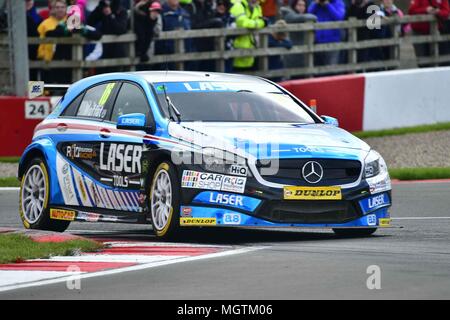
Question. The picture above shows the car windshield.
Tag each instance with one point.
(230, 102)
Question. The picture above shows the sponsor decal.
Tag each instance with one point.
(371, 220)
(374, 203)
(234, 184)
(186, 212)
(60, 214)
(384, 222)
(231, 218)
(88, 216)
(227, 199)
(121, 158)
(312, 193)
(197, 221)
(75, 151)
(308, 149)
(82, 190)
(65, 182)
(379, 186)
(212, 181)
(238, 170)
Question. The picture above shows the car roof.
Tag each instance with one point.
(176, 76)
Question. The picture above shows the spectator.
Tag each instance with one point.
(110, 18)
(358, 10)
(81, 4)
(147, 24)
(33, 22)
(389, 9)
(222, 12)
(174, 18)
(247, 14)
(202, 17)
(278, 40)
(327, 10)
(270, 10)
(56, 26)
(437, 8)
(296, 13)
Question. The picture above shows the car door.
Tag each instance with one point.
(81, 128)
(121, 150)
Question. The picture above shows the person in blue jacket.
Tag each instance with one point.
(174, 18)
(327, 10)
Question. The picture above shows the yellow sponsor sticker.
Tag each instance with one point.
(197, 221)
(60, 214)
(384, 222)
(312, 193)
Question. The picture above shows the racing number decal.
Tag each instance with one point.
(105, 96)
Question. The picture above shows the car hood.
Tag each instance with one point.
(281, 140)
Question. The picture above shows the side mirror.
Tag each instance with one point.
(330, 120)
(133, 121)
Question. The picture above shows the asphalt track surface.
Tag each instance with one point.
(414, 259)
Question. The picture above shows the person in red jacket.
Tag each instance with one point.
(438, 8)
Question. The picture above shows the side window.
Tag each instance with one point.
(131, 99)
(71, 109)
(95, 102)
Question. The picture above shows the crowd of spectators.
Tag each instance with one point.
(150, 17)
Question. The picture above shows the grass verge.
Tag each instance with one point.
(9, 159)
(9, 182)
(419, 173)
(17, 247)
(400, 131)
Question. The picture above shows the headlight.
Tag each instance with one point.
(374, 164)
(225, 162)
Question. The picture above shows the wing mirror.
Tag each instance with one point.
(133, 121)
(330, 120)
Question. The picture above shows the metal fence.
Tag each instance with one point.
(349, 47)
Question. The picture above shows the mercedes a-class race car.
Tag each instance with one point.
(183, 149)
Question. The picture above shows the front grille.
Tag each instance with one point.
(335, 171)
(306, 212)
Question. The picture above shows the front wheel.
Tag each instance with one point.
(33, 199)
(165, 201)
(362, 232)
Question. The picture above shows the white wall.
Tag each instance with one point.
(406, 98)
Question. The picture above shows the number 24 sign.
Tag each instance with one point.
(37, 109)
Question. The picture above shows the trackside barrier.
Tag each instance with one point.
(19, 116)
(380, 100)
(341, 97)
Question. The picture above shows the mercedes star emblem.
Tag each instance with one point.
(312, 172)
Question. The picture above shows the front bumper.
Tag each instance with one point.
(365, 205)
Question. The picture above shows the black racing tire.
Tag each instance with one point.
(166, 223)
(35, 187)
(354, 233)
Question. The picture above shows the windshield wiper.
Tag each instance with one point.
(171, 107)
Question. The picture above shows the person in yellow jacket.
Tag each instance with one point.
(247, 14)
(57, 15)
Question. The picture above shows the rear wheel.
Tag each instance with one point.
(34, 199)
(363, 232)
(165, 201)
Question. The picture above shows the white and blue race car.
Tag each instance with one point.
(183, 149)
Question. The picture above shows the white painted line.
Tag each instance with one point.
(18, 277)
(133, 268)
(125, 244)
(421, 218)
(9, 189)
(125, 258)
